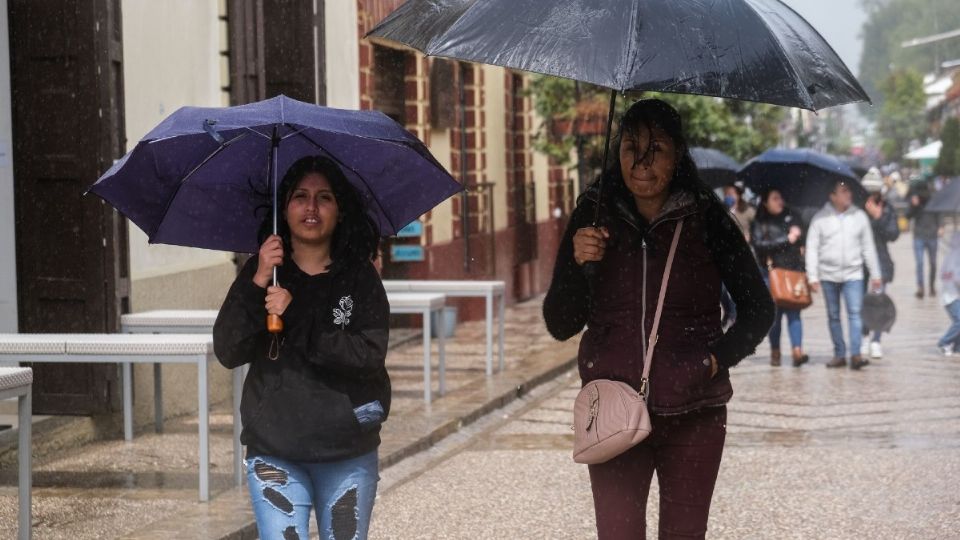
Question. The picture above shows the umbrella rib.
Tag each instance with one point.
(294, 133)
(223, 146)
(360, 176)
(789, 60)
(251, 130)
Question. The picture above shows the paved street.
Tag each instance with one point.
(811, 452)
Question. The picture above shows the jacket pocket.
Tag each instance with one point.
(300, 424)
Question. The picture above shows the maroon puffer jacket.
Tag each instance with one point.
(619, 303)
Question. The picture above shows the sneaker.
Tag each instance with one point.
(865, 348)
(919, 293)
(876, 350)
(857, 362)
(947, 350)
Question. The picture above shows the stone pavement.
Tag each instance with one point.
(811, 452)
(147, 488)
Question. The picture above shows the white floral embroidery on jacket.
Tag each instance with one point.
(341, 315)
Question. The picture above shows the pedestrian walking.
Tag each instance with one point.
(651, 191)
(839, 244)
(777, 241)
(318, 391)
(742, 210)
(883, 224)
(744, 213)
(949, 344)
(926, 234)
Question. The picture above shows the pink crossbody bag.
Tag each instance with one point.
(610, 417)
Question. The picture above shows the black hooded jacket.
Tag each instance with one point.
(331, 360)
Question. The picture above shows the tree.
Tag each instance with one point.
(741, 129)
(891, 22)
(901, 118)
(948, 163)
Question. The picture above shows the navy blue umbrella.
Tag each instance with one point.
(716, 168)
(804, 177)
(206, 177)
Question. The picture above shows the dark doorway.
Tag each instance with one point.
(68, 127)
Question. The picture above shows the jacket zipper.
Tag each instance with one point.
(643, 309)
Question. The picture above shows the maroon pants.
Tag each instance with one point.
(685, 452)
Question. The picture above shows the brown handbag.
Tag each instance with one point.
(610, 417)
(789, 288)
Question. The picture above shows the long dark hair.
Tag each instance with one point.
(762, 212)
(648, 114)
(356, 237)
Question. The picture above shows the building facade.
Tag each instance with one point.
(81, 82)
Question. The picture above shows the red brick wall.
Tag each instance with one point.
(492, 255)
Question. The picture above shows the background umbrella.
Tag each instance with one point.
(207, 177)
(716, 168)
(754, 50)
(804, 177)
(947, 200)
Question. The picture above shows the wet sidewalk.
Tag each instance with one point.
(810, 452)
(148, 488)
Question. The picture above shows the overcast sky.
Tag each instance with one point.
(839, 21)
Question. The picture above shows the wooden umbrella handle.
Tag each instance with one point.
(274, 324)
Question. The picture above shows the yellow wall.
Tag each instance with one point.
(164, 71)
(495, 108)
(442, 216)
(342, 54)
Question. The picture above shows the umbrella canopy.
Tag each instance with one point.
(716, 168)
(947, 200)
(804, 177)
(753, 50)
(202, 177)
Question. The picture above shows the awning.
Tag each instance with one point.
(930, 151)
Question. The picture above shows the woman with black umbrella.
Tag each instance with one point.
(651, 193)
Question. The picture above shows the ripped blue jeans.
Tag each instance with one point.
(342, 494)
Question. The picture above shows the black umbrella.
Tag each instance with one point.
(947, 200)
(804, 177)
(716, 168)
(754, 50)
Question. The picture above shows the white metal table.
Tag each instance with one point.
(127, 349)
(427, 305)
(488, 290)
(17, 382)
(186, 321)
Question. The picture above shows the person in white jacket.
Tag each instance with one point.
(839, 244)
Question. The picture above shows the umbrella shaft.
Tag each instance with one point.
(606, 155)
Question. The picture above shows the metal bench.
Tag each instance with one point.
(463, 289)
(17, 382)
(125, 349)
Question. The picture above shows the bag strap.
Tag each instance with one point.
(644, 381)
